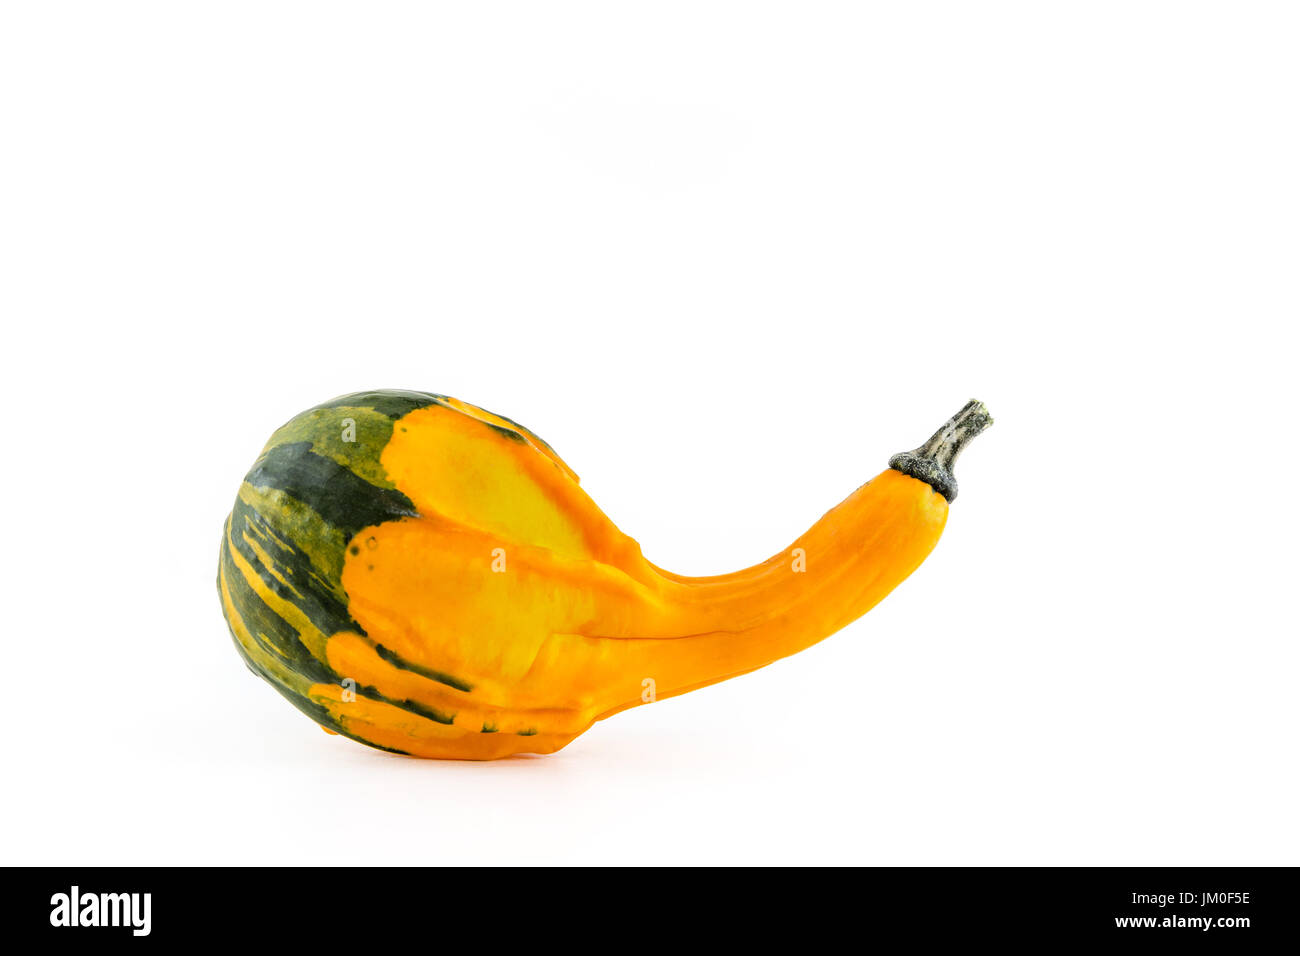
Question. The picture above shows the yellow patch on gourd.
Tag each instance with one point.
(426, 591)
(461, 468)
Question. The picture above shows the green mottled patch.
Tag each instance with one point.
(328, 431)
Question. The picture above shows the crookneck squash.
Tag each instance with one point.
(428, 578)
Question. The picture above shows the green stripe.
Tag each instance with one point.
(339, 495)
(410, 706)
(392, 657)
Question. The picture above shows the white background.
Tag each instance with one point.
(726, 258)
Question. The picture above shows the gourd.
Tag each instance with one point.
(428, 578)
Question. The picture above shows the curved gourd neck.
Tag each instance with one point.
(838, 570)
(843, 536)
(858, 544)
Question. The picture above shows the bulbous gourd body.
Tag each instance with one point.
(428, 578)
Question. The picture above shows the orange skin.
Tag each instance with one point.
(516, 582)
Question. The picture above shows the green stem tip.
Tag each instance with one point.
(933, 461)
